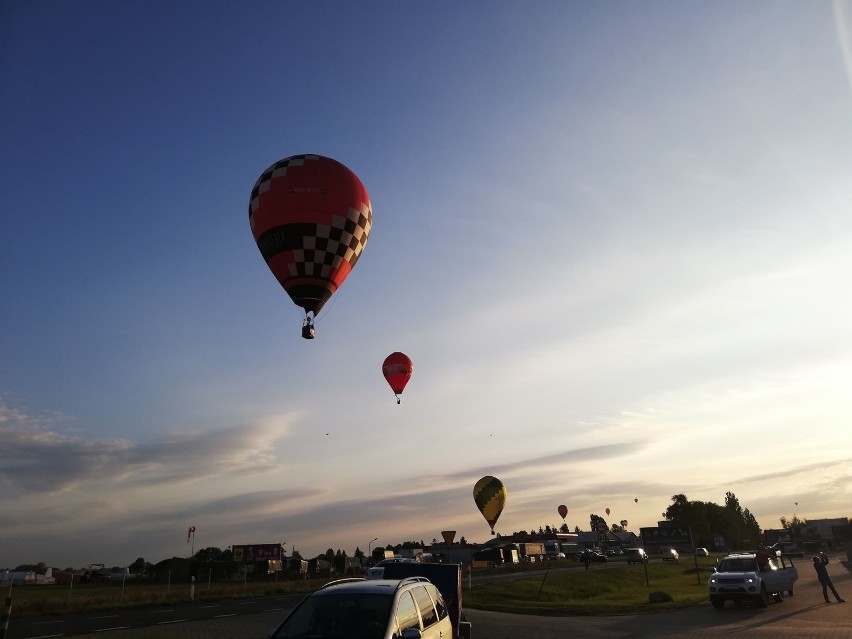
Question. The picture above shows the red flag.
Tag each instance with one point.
(189, 532)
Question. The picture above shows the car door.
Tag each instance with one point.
(406, 615)
(788, 572)
(434, 627)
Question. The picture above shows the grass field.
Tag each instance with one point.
(615, 589)
(59, 599)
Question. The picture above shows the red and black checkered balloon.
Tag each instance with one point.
(310, 217)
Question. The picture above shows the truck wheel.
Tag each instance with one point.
(790, 592)
(779, 596)
(763, 598)
(717, 602)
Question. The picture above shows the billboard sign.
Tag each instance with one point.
(250, 553)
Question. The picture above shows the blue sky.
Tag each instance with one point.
(614, 239)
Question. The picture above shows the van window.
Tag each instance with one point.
(425, 605)
(406, 613)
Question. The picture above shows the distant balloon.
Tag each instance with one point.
(310, 217)
(397, 369)
(624, 523)
(563, 511)
(490, 495)
(636, 501)
(607, 511)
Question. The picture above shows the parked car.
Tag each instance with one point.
(380, 608)
(701, 552)
(594, 556)
(670, 554)
(752, 577)
(636, 556)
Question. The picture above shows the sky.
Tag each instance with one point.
(614, 238)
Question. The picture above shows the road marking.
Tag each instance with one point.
(45, 636)
(157, 612)
(110, 629)
(230, 614)
(42, 623)
(105, 617)
(273, 610)
(213, 606)
(245, 603)
(160, 623)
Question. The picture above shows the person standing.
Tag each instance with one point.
(820, 564)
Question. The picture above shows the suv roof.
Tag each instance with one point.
(361, 585)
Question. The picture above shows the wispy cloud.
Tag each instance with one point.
(35, 458)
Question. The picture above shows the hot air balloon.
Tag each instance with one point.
(310, 217)
(563, 511)
(636, 500)
(490, 494)
(397, 369)
(607, 511)
(624, 523)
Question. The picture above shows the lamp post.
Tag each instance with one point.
(370, 548)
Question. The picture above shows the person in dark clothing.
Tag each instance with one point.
(820, 564)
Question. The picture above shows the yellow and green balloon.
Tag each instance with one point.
(490, 494)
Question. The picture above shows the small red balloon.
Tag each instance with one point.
(397, 369)
(563, 511)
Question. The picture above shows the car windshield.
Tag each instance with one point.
(738, 564)
(338, 616)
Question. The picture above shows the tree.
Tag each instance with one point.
(595, 521)
(707, 520)
(137, 566)
(211, 553)
(793, 523)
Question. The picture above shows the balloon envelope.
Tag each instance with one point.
(310, 217)
(607, 511)
(562, 510)
(490, 494)
(397, 369)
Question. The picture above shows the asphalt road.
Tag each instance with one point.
(803, 616)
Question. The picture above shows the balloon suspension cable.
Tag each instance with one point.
(308, 327)
(397, 398)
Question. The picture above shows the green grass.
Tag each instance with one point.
(615, 589)
(598, 591)
(60, 599)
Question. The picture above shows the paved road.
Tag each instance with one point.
(803, 616)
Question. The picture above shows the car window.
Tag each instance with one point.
(736, 564)
(440, 606)
(425, 605)
(351, 615)
(406, 613)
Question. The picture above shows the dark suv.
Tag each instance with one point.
(410, 608)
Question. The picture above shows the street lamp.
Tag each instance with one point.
(370, 548)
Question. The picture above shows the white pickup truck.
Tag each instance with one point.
(752, 577)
